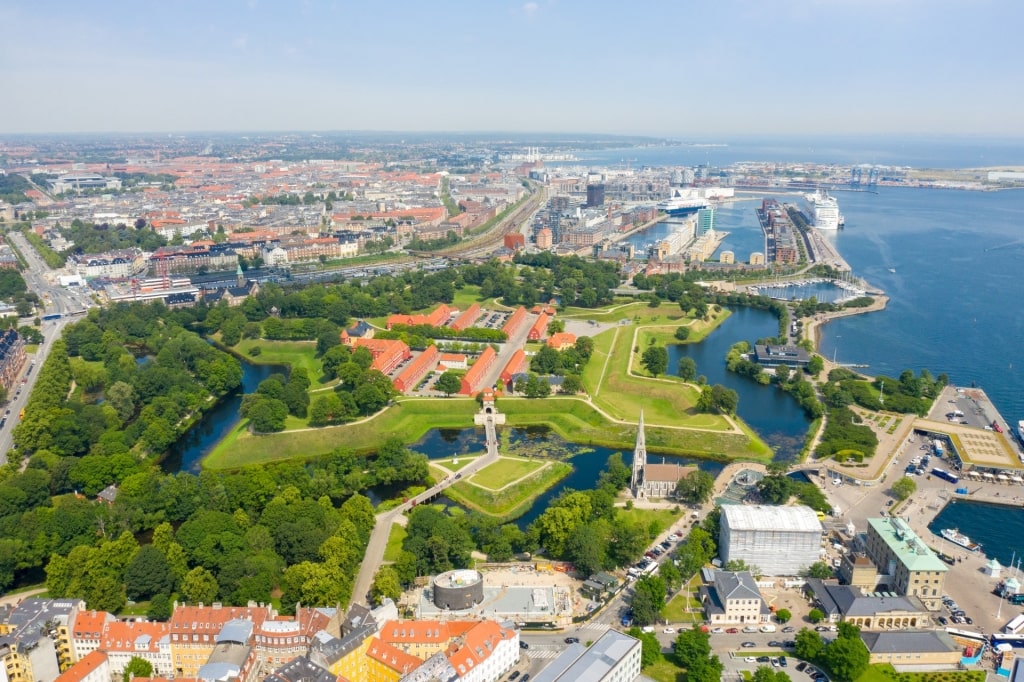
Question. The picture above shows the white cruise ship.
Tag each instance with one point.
(822, 211)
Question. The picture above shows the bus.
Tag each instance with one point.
(945, 475)
(51, 316)
(1014, 626)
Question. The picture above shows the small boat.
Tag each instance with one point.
(892, 270)
(958, 538)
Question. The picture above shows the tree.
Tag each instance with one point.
(650, 647)
(808, 644)
(783, 615)
(148, 574)
(682, 333)
(655, 360)
(199, 585)
(687, 367)
(385, 585)
(159, 607)
(572, 384)
(692, 646)
(847, 657)
(815, 616)
(819, 569)
(696, 487)
(648, 600)
(767, 674)
(815, 365)
(137, 667)
(448, 383)
(904, 488)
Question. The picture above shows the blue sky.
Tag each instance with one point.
(671, 68)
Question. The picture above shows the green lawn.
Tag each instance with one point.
(292, 353)
(662, 518)
(409, 418)
(504, 471)
(884, 672)
(395, 539)
(665, 670)
(675, 611)
(449, 466)
(511, 502)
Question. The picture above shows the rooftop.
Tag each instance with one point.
(770, 517)
(580, 664)
(908, 547)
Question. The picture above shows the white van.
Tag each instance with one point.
(768, 628)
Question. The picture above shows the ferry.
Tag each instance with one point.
(958, 538)
(1020, 431)
(682, 206)
(822, 211)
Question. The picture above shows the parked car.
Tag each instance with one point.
(526, 678)
(782, 661)
(821, 628)
(789, 628)
(800, 666)
(515, 675)
(762, 659)
(572, 640)
(749, 645)
(732, 631)
(669, 631)
(717, 631)
(775, 643)
(523, 645)
(750, 628)
(942, 620)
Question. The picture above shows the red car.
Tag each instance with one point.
(732, 631)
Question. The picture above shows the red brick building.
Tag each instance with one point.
(409, 377)
(437, 318)
(387, 353)
(562, 340)
(539, 328)
(515, 241)
(514, 322)
(473, 380)
(517, 364)
(468, 318)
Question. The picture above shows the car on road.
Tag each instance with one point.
(526, 677)
(775, 662)
(749, 645)
(821, 628)
(572, 640)
(800, 666)
(942, 620)
(762, 659)
(775, 643)
(717, 631)
(783, 662)
(789, 628)
(669, 631)
(732, 631)
(750, 659)
(515, 675)
(523, 645)
(968, 620)
(750, 628)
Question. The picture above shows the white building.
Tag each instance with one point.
(777, 540)
(614, 657)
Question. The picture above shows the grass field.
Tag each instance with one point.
(884, 672)
(512, 501)
(293, 353)
(662, 518)
(409, 418)
(395, 539)
(504, 471)
(665, 670)
(450, 467)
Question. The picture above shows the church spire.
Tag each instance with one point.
(636, 484)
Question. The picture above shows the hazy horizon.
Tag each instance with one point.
(663, 70)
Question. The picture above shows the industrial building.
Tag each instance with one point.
(777, 540)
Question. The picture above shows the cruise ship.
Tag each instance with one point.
(682, 206)
(822, 211)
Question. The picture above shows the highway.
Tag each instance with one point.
(55, 299)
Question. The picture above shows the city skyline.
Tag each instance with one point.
(657, 69)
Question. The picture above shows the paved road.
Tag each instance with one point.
(56, 299)
(374, 556)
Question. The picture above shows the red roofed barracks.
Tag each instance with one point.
(539, 328)
(387, 354)
(467, 318)
(437, 318)
(409, 377)
(514, 322)
(517, 364)
(472, 381)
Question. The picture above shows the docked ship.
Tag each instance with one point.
(958, 538)
(822, 211)
(678, 206)
(1020, 431)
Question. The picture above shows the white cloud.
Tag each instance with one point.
(241, 42)
(530, 9)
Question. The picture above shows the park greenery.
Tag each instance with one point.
(846, 437)
(777, 488)
(845, 658)
(909, 393)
